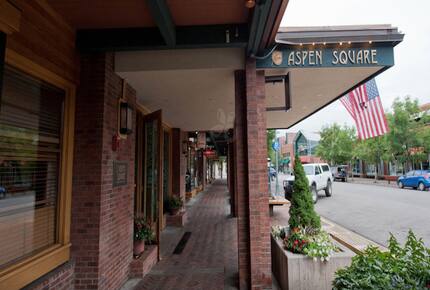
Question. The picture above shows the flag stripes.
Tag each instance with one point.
(365, 106)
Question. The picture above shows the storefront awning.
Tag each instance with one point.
(320, 65)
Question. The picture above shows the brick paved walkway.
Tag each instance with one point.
(209, 259)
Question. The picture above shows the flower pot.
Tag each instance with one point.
(174, 211)
(297, 271)
(138, 247)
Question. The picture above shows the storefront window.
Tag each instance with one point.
(31, 118)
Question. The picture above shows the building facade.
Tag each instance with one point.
(98, 105)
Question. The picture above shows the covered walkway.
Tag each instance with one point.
(209, 258)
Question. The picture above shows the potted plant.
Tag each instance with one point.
(304, 256)
(175, 204)
(143, 233)
(406, 267)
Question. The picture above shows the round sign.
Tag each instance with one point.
(277, 57)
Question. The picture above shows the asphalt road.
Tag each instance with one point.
(374, 211)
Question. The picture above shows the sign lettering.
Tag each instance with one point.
(329, 57)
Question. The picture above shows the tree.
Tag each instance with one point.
(373, 151)
(407, 131)
(302, 212)
(336, 144)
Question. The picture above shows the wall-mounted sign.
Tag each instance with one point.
(210, 153)
(329, 57)
(120, 172)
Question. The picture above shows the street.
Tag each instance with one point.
(375, 210)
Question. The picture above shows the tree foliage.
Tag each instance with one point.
(407, 142)
(302, 212)
(408, 131)
(336, 144)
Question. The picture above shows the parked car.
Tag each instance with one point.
(319, 177)
(416, 179)
(2, 192)
(272, 173)
(340, 172)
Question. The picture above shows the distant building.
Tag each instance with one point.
(302, 144)
(305, 145)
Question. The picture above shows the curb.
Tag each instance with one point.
(353, 241)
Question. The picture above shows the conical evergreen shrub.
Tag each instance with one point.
(302, 212)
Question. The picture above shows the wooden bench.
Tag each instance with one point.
(276, 202)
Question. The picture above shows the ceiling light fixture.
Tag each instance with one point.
(250, 4)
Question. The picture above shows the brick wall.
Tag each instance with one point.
(62, 278)
(261, 274)
(102, 215)
(251, 179)
(240, 167)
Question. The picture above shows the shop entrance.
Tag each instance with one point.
(149, 170)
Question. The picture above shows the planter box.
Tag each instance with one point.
(141, 266)
(177, 220)
(299, 272)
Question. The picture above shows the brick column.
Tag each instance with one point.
(179, 163)
(251, 183)
(102, 215)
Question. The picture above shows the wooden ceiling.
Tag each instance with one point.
(96, 14)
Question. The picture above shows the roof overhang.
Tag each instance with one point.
(323, 64)
(113, 25)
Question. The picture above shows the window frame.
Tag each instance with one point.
(26, 271)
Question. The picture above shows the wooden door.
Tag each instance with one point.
(152, 206)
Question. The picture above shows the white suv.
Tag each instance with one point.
(319, 177)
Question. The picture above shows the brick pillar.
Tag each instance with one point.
(102, 215)
(179, 163)
(251, 184)
(231, 177)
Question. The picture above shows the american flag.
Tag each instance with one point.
(364, 105)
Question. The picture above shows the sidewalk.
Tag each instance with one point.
(209, 258)
(371, 181)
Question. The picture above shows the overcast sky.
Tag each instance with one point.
(410, 74)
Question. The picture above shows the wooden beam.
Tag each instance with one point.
(123, 39)
(161, 14)
(258, 25)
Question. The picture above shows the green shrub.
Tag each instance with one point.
(175, 202)
(302, 213)
(143, 230)
(399, 268)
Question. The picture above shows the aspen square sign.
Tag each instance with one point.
(328, 57)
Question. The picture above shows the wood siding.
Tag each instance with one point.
(46, 39)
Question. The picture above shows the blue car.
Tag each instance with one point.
(416, 179)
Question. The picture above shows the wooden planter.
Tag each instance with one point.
(299, 272)
(177, 220)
